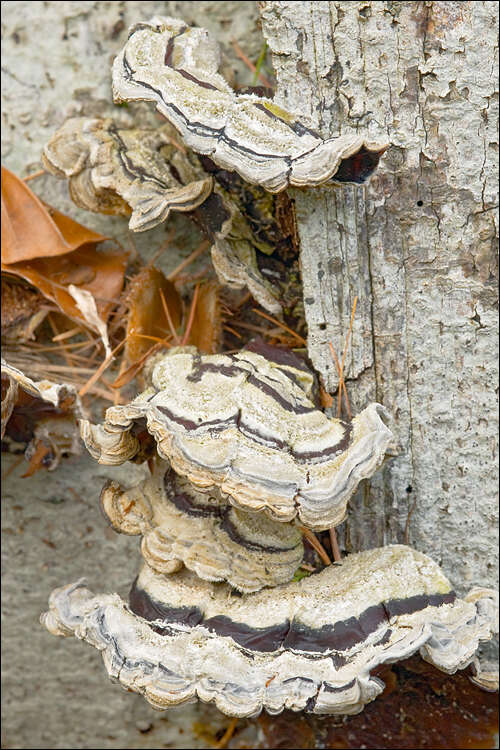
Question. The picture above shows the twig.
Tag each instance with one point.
(227, 734)
(185, 263)
(314, 542)
(280, 325)
(247, 62)
(191, 315)
(335, 545)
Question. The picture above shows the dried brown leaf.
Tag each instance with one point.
(206, 329)
(32, 230)
(147, 316)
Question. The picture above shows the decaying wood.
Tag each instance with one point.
(419, 251)
(331, 220)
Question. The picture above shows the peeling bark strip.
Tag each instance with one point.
(331, 221)
(424, 74)
(335, 267)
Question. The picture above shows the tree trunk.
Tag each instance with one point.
(417, 246)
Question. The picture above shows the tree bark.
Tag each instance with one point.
(418, 248)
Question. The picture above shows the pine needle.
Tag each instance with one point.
(250, 65)
(169, 319)
(340, 367)
(103, 367)
(227, 734)
(280, 325)
(314, 542)
(34, 175)
(335, 545)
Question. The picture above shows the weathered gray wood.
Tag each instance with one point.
(335, 270)
(331, 221)
(422, 73)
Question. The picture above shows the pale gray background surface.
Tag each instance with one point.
(433, 311)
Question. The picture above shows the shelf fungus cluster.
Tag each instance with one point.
(182, 526)
(144, 175)
(245, 424)
(176, 67)
(241, 456)
(310, 645)
(215, 613)
(116, 170)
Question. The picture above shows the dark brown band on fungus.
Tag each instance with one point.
(341, 636)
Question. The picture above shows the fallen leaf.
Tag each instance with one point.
(52, 276)
(147, 317)
(52, 252)
(32, 230)
(87, 306)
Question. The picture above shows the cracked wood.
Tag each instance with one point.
(416, 72)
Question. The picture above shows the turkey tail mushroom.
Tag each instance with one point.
(244, 424)
(175, 66)
(310, 645)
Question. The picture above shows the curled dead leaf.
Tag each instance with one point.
(147, 319)
(52, 252)
(31, 230)
(87, 306)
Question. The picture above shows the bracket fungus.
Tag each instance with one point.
(176, 66)
(44, 414)
(243, 451)
(181, 525)
(116, 170)
(309, 645)
(245, 423)
(121, 171)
